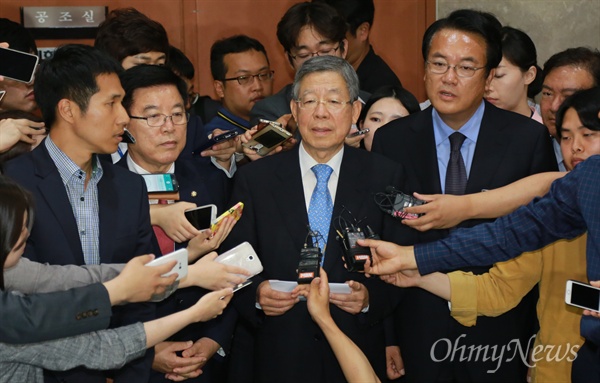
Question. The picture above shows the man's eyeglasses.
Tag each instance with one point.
(332, 105)
(159, 119)
(440, 67)
(247, 79)
(321, 52)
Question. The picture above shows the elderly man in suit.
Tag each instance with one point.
(285, 197)
(84, 214)
(462, 144)
(155, 101)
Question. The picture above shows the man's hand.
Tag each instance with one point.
(223, 150)
(442, 211)
(166, 359)
(172, 220)
(275, 302)
(203, 348)
(394, 362)
(388, 258)
(354, 302)
(15, 130)
(207, 241)
(404, 278)
(590, 312)
(138, 283)
(354, 141)
(212, 275)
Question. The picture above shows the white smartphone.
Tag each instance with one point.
(2, 93)
(243, 255)
(202, 217)
(181, 256)
(582, 295)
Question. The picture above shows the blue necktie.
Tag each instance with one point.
(456, 173)
(321, 205)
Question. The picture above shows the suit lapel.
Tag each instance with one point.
(423, 154)
(108, 214)
(489, 151)
(351, 196)
(288, 194)
(52, 189)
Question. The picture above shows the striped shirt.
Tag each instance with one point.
(84, 201)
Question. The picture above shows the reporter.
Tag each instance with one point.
(354, 363)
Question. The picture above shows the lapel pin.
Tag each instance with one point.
(194, 194)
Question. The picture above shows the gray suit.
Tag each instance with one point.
(102, 350)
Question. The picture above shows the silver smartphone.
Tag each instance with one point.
(271, 135)
(582, 295)
(359, 133)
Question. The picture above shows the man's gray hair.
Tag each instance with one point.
(328, 64)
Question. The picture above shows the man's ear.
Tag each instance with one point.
(344, 43)
(490, 76)
(294, 109)
(356, 108)
(219, 88)
(362, 32)
(66, 110)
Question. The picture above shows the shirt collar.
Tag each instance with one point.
(66, 167)
(140, 170)
(470, 129)
(307, 162)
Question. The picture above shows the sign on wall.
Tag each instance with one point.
(79, 22)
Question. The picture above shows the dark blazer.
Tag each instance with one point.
(509, 147)
(291, 347)
(201, 183)
(373, 73)
(125, 232)
(26, 318)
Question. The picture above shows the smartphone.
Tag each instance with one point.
(247, 282)
(202, 217)
(17, 65)
(235, 212)
(268, 138)
(2, 93)
(181, 256)
(217, 139)
(243, 255)
(161, 183)
(359, 133)
(582, 295)
(128, 137)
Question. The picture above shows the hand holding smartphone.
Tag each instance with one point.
(235, 212)
(202, 217)
(181, 256)
(270, 135)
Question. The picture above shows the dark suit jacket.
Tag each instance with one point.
(26, 318)
(291, 347)
(201, 183)
(373, 73)
(509, 147)
(125, 232)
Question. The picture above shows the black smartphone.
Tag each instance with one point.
(128, 137)
(17, 65)
(359, 133)
(161, 183)
(202, 217)
(216, 139)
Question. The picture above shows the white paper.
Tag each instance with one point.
(288, 286)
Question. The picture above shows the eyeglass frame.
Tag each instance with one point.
(251, 77)
(164, 119)
(448, 66)
(325, 103)
(315, 53)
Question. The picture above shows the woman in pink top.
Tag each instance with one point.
(517, 77)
